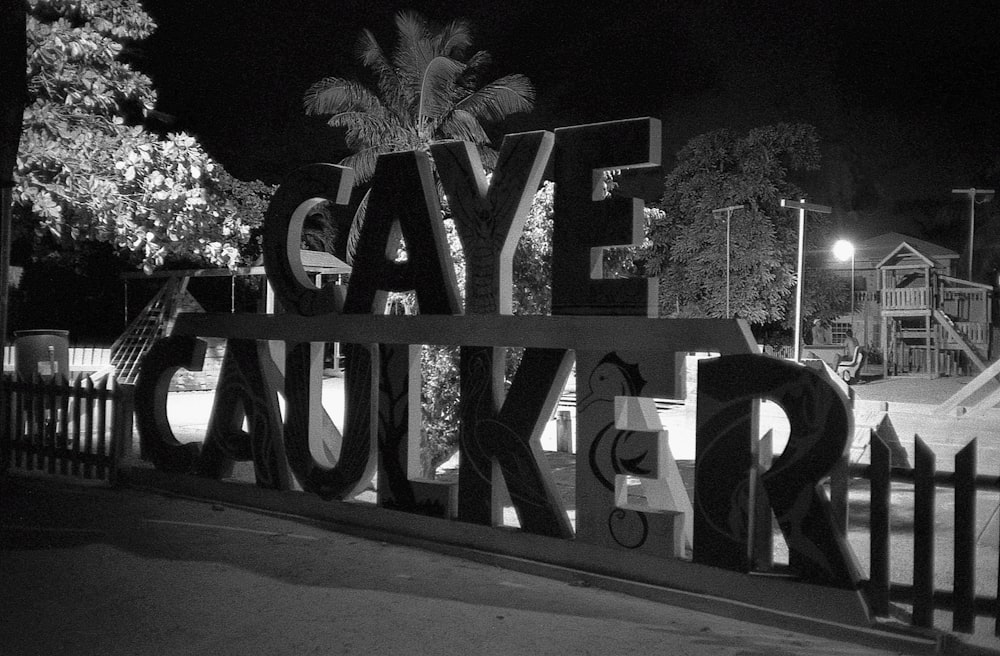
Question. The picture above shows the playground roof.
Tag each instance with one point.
(877, 248)
(905, 254)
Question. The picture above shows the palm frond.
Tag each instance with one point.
(355, 233)
(453, 39)
(412, 27)
(370, 53)
(372, 56)
(474, 66)
(413, 51)
(436, 95)
(462, 125)
(488, 156)
(479, 60)
(363, 163)
(501, 98)
(333, 94)
(364, 129)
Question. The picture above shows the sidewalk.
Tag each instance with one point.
(92, 571)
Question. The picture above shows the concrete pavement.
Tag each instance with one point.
(87, 570)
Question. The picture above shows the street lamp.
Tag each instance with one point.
(801, 206)
(729, 215)
(972, 192)
(844, 250)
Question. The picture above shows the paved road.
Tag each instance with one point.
(88, 570)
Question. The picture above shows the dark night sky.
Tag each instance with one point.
(906, 96)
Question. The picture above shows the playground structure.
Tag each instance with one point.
(932, 323)
(909, 304)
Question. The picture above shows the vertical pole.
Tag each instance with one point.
(799, 284)
(852, 291)
(972, 226)
(729, 215)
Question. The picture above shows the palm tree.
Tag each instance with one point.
(427, 90)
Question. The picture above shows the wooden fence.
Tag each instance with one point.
(962, 600)
(69, 428)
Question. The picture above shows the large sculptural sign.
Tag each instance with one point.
(624, 358)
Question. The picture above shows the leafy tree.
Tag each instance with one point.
(532, 271)
(87, 170)
(688, 243)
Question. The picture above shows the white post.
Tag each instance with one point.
(800, 283)
(729, 214)
(801, 206)
(852, 289)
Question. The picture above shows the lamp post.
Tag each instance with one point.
(972, 192)
(844, 250)
(801, 206)
(729, 215)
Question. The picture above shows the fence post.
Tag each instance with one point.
(923, 534)
(52, 387)
(75, 439)
(880, 492)
(87, 400)
(62, 430)
(964, 613)
(101, 447)
(121, 435)
(18, 435)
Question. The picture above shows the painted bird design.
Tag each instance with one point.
(614, 451)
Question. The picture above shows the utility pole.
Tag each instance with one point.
(729, 215)
(802, 206)
(972, 192)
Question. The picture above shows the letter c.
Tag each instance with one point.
(307, 188)
(156, 440)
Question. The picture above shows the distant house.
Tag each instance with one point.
(911, 307)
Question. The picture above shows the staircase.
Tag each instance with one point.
(959, 338)
(152, 323)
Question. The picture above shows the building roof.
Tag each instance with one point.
(905, 254)
(877, 248)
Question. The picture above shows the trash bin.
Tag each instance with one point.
(45, 352)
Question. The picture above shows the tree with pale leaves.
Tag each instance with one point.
(87, 170)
